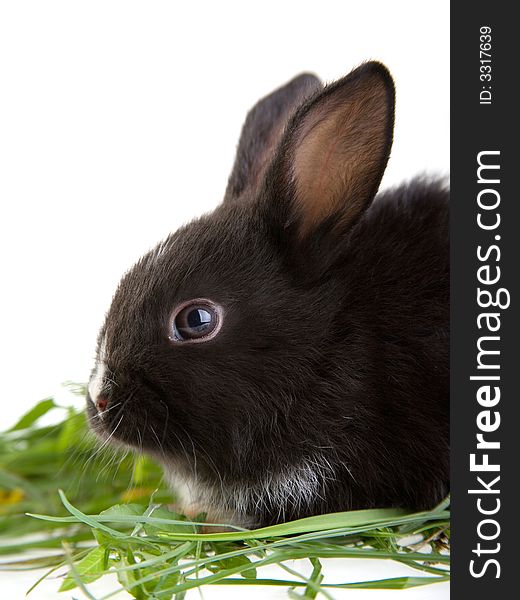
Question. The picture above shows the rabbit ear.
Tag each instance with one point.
(331, 160)
(263, 130)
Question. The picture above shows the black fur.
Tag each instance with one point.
(334, 344)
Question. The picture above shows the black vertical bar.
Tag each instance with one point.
(483, 122)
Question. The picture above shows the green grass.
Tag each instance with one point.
(86, 512)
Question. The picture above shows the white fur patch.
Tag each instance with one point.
(186, 488)
(97, 381)
(295, 488)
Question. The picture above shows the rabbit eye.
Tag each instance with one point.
(195, 321)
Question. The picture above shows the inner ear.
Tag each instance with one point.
(336, 148)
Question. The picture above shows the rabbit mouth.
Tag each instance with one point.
(132, 416)
(115, 407)
(106, 427)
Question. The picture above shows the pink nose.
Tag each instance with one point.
(101, 403)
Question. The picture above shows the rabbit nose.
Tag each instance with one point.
(101, 403)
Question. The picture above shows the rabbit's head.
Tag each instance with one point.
(216, 339)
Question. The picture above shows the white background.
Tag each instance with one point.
(118, 122)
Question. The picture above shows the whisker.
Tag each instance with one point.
(158, 441)
(105, 442)
(190, 463)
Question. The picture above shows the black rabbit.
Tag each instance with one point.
(287, 354)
